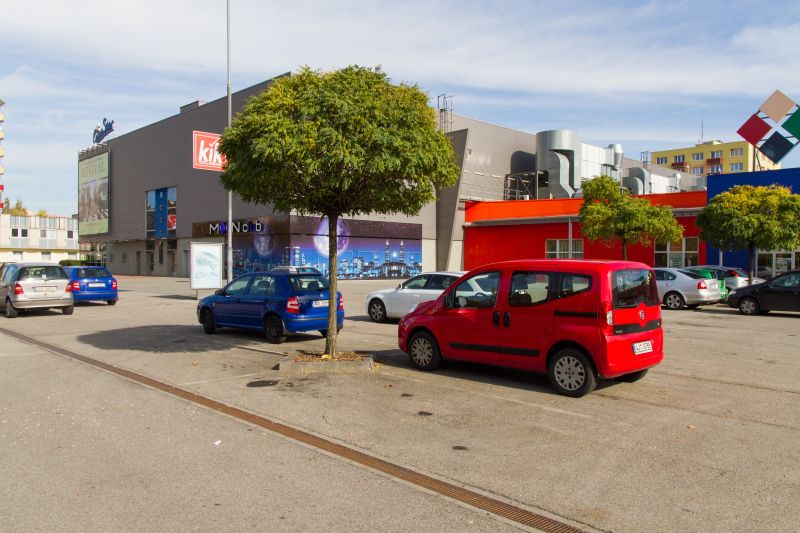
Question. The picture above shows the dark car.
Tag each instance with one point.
(92, 284)
(276, 303)
(779, 294)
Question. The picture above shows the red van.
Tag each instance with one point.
(572, 319)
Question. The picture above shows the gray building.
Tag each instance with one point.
(146, 195)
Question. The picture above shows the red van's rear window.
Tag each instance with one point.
(633, 287)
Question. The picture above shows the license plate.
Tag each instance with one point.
(96, 285)
(44, 289)
(642, 347)
(319, 303)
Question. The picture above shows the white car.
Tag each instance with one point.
(734, 277)
(395, 303)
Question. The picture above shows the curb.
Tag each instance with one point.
(338, 367)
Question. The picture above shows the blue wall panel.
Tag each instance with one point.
(719, 183)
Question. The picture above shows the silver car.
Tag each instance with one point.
(734, 277)
(35, 286)
(678, 287)
(396, 303)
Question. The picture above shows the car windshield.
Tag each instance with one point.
(633, 287)
(41, 272)
(308, 283)
(92, 273)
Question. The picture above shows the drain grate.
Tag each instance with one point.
(469, 497)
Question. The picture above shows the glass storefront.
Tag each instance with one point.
(771, 264)
(683, 253)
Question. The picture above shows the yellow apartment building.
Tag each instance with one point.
(714, 157)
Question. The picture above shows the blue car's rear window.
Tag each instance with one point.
(91, 272)
(308, 283)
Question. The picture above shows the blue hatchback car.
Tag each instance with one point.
(92, 284)
(276, 303)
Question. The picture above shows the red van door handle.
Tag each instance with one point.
(506, 319)
(496, 318)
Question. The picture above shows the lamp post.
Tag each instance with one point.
(229, 231)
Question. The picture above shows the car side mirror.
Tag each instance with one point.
(219, 292)
(399, 286)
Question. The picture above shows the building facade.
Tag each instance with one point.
(143, 199)
(33, 238)
(714, 157)
(551, 229)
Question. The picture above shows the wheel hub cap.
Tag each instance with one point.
(421, 352)
(569, 373)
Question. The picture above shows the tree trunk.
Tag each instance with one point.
(624, 249)
(751, 250)
(333, 303)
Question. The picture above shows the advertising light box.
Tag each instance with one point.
(206, 265)
(93, 195)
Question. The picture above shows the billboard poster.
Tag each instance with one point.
(93, 195)
(366, 249)
(205, 154)
(205, 264)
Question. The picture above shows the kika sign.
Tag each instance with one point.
(205, 151)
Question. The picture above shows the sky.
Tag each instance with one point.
(643, 74)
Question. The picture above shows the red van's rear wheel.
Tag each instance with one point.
(571, 373)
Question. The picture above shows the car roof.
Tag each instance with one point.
(37, 264)
(565, 264)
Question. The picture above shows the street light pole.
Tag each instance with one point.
(229, 231)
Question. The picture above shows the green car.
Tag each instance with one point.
(712, 274)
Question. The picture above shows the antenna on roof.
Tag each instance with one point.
(701, 133)
(444, 103)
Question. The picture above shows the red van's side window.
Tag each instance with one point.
(573, 284)
(529, 288)
(633, 287)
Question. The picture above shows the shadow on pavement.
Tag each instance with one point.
(164, 339)
(487, 374)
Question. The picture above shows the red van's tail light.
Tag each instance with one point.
(607, 311)
(341, 303)
(292, 305)
(18, 289)
(702, 284)
(114, 284)
(76, 286)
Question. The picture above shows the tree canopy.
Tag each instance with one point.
(337, 143)
(608, 213)
(18, 209)
(749, 217)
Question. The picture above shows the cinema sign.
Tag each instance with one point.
(205, 151)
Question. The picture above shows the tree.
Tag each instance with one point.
(609, 213)
(337, 143)
(41, 213)
(7, 206)
(18, 210)
(748, 217)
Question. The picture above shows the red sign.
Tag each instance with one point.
(205, 154)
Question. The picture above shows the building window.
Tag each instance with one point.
(697, 170)
(111, 257)
(17, 256)
(716, 154)
(46, 256)
(72, 256)
(124, 257)
(70, 234)
(737, 152)
(559, 249)
(23, 233)
(679, 158)
(737, 167)
(697, 156)
(150, 214)
(42, 233)
(661, 160)
(679, 254)
(716, 169)
(15, 232)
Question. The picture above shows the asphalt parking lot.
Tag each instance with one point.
(708, 441)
